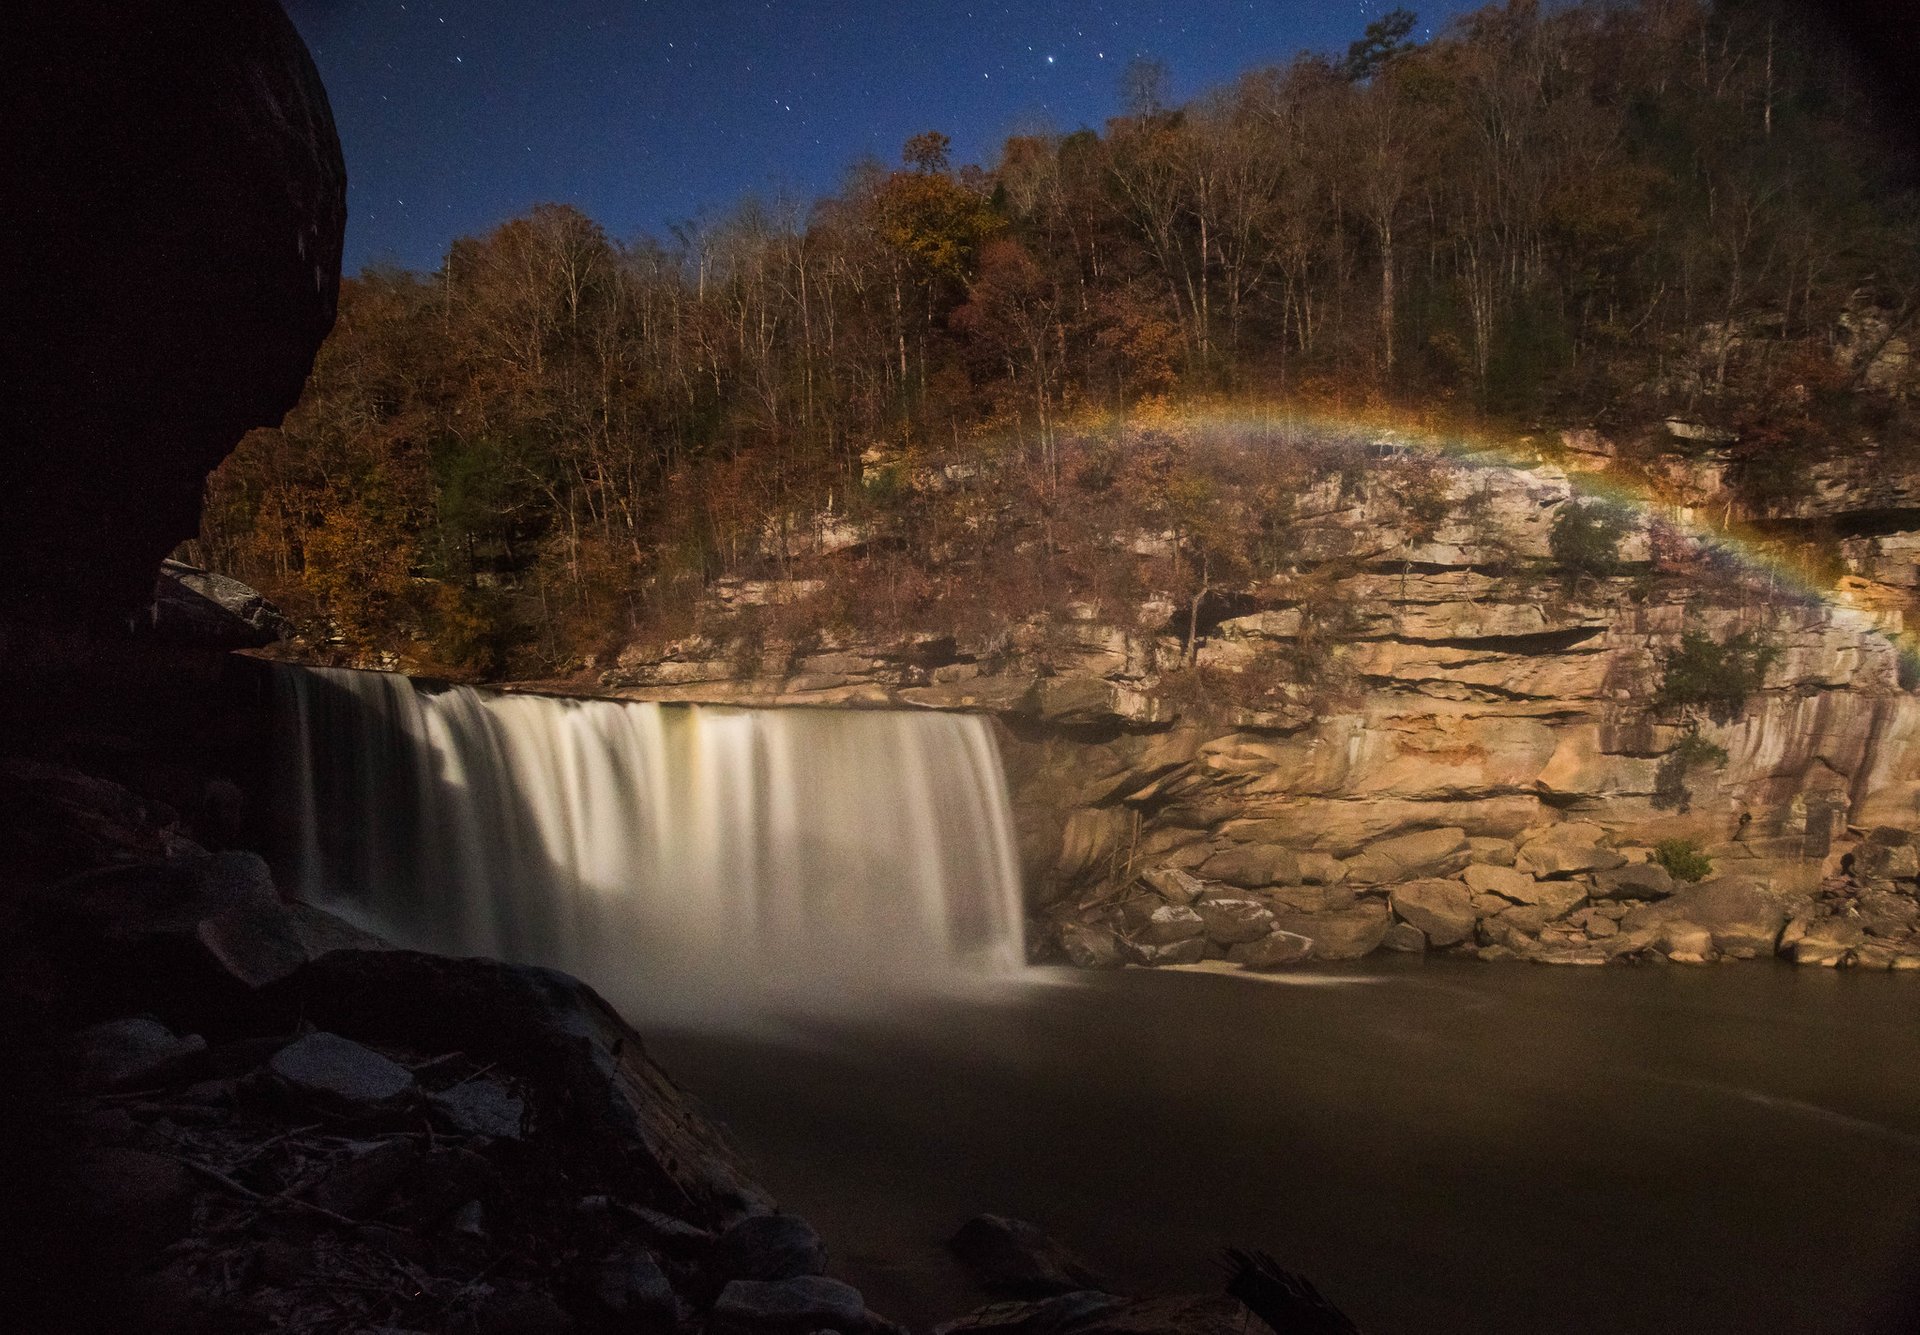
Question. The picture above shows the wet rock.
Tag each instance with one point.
(122, 1054)
(787, 1307)
(1173, 884)
(480, 1107)
(1171, 923)
(342, 1076)
(1405, 938)
(1090, 947)
(770, 1247)
(1408, 857)
(1012, 1256)
(1137, 911)
(1566, 850)
(1252, 866)
(1273, 951)
(1233, 921)
(1487, 879)
(1644, 880)
(1343, 935)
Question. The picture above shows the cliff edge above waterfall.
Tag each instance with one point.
(1543, 705)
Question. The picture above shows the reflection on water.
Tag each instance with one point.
(1453, 1147)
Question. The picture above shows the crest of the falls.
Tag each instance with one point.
(689, 861)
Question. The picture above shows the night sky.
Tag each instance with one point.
(457, 114)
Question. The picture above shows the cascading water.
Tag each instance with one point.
(692, 862)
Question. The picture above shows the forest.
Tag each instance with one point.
(1597, 214)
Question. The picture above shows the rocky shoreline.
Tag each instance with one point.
(234, 1111)
(1565, 896)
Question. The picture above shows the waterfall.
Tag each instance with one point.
(692, 862)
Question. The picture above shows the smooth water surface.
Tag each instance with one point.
(1441, 1146)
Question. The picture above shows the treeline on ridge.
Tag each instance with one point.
(1604, 213)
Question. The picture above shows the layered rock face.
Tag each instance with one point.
(177, 201)
(1473, 746)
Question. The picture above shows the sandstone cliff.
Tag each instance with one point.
(1441, 726)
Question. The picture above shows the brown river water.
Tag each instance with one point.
(1441, 1146)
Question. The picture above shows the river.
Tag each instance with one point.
(1442, 1146)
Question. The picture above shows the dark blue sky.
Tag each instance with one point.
(457, 114)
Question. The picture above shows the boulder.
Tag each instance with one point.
(1567, 850)
(1091, 947)
(1554, 898)
(195, 606)
(1887, 853)
(1489, 852)
(1170, 923)
(1442, 910)
(611, 1119)
(1685, 942)
(125, 1054)
(1321, 869)
(1743, 917)
(1826, 941)
(1173, 885)
(1311, 898)
(635, 1289)
(1232, 921)
(342, 1076)
(168, 288)
(1014, 1257)
(480, 1107)
(1136, 912)
(1887, 913)
(787, 1307)
(1405, 938)
(1490, 879)
(1344, 934)
(1407, 857)
(1642, 880)
(1253, 866)
(1190, 951)
(1272, 951)
(769, 1247)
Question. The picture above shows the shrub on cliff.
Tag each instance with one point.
(1585, 538)
(1684, 859)
(1714, 676)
